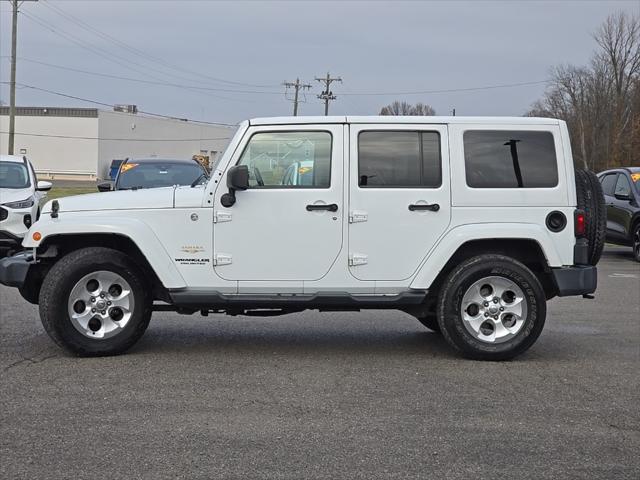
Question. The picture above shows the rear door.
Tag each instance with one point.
(399, 197)
(619, 210)
(609, 182)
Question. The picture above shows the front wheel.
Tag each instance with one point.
(636, 242)
(491, 308)
(94, 302)
(430, 321)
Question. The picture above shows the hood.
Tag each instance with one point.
(118, 200)
(14, 194)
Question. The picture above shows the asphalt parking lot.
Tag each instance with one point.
(355, 395)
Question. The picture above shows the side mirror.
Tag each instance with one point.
(43, 186)
(622, 196)
(105, 187)
(237, 179)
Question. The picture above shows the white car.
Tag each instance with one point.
(20, 197)
(468, 224)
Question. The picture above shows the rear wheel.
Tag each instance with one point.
(491, 308)
(94, 302)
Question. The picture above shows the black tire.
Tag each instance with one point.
(58, 285)
(635, 242)
(30, 292)
(458, 282)
(431, 322)
(590, 198)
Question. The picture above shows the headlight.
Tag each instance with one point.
(20, 204)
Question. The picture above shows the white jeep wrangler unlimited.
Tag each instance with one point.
(468, 224)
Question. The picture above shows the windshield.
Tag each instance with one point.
(14, 175)
(157, 174)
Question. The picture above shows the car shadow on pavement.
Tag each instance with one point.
(256, 338)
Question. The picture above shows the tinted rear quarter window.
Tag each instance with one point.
(510, 159)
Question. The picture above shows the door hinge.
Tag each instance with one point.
(357, 216)
(222, 259)
(219, 217)
(356, 259)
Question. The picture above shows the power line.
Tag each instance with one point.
(452, 90)
(327, 95)
(120, 139)
(77, 21)
(111, 105)
(129, 65)
(297, 86)
(139, 80)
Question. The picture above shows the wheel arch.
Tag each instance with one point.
(55, 246)
(126, 234)
(529, 251)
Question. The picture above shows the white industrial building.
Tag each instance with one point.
(81, 142)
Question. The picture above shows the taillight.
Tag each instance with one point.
(580, 223)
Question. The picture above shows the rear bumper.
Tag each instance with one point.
(13, 270)
(576, 280)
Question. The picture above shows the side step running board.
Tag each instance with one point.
(211, 299)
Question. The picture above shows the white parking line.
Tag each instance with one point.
(623, 275)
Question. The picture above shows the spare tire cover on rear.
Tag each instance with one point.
(590, 198)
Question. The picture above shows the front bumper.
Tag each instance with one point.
(13, 270)
(16, 222)
(576, 280)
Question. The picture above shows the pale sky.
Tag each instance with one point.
(230, 58)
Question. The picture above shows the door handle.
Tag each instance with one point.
(416, 206)
(332, 207)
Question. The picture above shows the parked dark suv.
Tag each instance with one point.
(621, 188)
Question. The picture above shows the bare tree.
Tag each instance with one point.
(619, 39)
(423, 109)
(600, 101)
(404, 108)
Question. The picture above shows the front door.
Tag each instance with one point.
(399, 197)
(287, 227)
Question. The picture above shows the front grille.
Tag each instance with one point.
(3, 214)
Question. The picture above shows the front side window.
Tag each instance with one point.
(288, 159)
(510, 159)
(14, 175)
(399, 159)
(623, 188)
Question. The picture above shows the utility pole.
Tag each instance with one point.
(12, 85)
(296, 86)
(327, 95)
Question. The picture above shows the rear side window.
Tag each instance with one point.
(399, 159)
(510, 159)
(609, 184)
